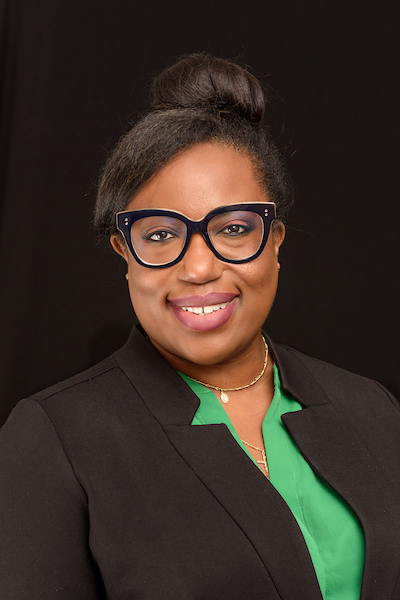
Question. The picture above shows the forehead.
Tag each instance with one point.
(201, 179)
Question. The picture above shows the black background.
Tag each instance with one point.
(74, 74)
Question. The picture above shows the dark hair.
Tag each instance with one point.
(198, 99)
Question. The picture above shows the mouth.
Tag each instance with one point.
(205, 310)
(204, 313)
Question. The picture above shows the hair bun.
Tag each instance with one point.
(210, 83)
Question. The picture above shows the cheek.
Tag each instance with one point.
(261, 274)
(146, 287)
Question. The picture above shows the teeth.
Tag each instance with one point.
(204, 310)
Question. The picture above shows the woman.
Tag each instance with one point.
(201, 461)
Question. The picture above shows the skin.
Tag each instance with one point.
(231, 355)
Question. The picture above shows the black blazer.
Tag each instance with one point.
(107, 491)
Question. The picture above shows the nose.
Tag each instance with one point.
(199, 265)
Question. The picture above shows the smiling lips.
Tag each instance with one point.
(204, 313)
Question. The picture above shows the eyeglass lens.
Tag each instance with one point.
(235, 235)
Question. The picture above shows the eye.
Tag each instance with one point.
(235, 229)
(161, 235)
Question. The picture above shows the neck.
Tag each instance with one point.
(235, 368)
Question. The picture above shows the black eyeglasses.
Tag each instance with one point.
(159, 238)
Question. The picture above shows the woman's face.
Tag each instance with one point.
(201, 179)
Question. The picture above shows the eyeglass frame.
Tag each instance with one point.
(126, 218)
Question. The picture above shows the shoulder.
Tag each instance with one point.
(96, 374)
(83, 393)
(122, 389)
(342, 387)
(364, 405)
(76, 421)
(86, 402)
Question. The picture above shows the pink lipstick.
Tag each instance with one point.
(204, 313)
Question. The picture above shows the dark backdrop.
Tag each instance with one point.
(74, 73)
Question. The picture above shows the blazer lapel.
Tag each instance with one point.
(224, 469)
(160, 387)
(253, 503)
(338, 455)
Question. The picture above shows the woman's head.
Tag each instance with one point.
(200, 99)
(202, 147)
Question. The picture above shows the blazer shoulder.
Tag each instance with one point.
(337, 381)
(92, 373)
(93, 405)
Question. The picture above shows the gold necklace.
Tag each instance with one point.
(262, 462)
(222, 391)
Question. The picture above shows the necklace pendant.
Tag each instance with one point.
(224, 397)
(264, 463)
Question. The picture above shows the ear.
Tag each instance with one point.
(278, 233)
(119, 246)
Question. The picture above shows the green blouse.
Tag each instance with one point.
(331, 530)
